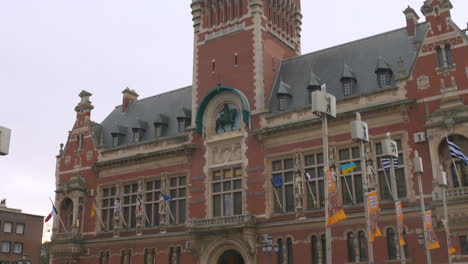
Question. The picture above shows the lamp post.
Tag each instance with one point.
(443, 184)
(418, 170)
(390, 150)
(324, 104)
(360, 133)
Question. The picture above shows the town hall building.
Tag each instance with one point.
(185, 176)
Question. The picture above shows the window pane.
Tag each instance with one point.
(277, 165)
(181, 211)
(216, 187)
(344, 154)
(289, 198)
(227, 204)
(7, 227)
(20, 229)
(448, 54)
(440, 57)
(217, 205)
(238, 203)
(288, 164)
(237, 184)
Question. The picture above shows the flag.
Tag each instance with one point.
(309, 178)
(140, 203)
(345, 168)
(386, 163)
(373, 208)
(451, 249)
(432, 241)
(335, 207)
(53, 213)
(277, 181)
(93, 210)
(166, 197)
(399, 211)
(456, 152)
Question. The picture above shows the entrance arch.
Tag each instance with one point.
(231, 257)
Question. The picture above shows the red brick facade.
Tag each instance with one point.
(239, 49)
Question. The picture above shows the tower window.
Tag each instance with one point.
(444, 56)
(440, 57)
(448, 54)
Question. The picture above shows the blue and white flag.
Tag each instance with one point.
(386, 163)
(456, 152)
(166, 197)
(277, 181)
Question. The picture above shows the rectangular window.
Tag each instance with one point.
(7, 227)
(177, 204)
(440, 57)
(282, 102)
(18, 248)
(347, 87)
(152, 193)
(384, 174)
(6, 246)
(227, 192)
(107, 207)
(136, 135)
(115, 140)
(158, 130)
(182, 123)
(284, 196)
(448, 54)
(314, 180)
(129, 204)
(20, 229)
(150, 256)
(351, 183)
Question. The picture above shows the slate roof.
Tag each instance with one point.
(358, 59)
(143, 113)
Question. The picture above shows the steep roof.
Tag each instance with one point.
(142, 114)
(330, 65)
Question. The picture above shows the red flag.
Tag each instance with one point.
(53, 213)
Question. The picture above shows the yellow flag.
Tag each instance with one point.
(93, 210)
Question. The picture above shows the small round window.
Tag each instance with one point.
(227, 119)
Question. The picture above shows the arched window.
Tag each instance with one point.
(391, 244)
(314, 249)
(289, 248)
(280, 252)
(351, 248)
(362, 246)
(448, 55)
(324, 249)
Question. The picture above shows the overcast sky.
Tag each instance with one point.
(50, 50)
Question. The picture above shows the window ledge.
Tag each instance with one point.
(446, 68)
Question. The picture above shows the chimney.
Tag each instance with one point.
(128, 96)
(411, 21)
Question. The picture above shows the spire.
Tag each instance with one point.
(85, 104)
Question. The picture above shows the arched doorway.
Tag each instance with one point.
(231, 257)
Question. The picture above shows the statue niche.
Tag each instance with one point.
(227, 119)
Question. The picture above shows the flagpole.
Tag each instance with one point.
(360, 133)
(325, 166)
(395, 199)
(453, 162)
(443, 185)
(98, 215)
(58, 215)
(386, 178)
(349, 190)
(418, 169)
(311, 193)
(278, 199)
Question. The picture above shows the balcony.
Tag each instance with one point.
(457, 193)
(221, 223)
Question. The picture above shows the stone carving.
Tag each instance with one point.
(371, 176)
(226, 119)
(163, 205)
(298, 184)
(423, 82)
(226, 153)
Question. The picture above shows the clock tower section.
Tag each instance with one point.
(240, 44)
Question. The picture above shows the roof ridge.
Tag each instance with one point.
(350, 42)
(158, 95)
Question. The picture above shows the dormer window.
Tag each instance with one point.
(115, 140)
(314, 85)
(182, 124)
(183, 119)
(284, 96)
(347, 87)
(283, 102)
(384, 73)
(348, 80)
(158, 130)
(384, 78)
(137, 134)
